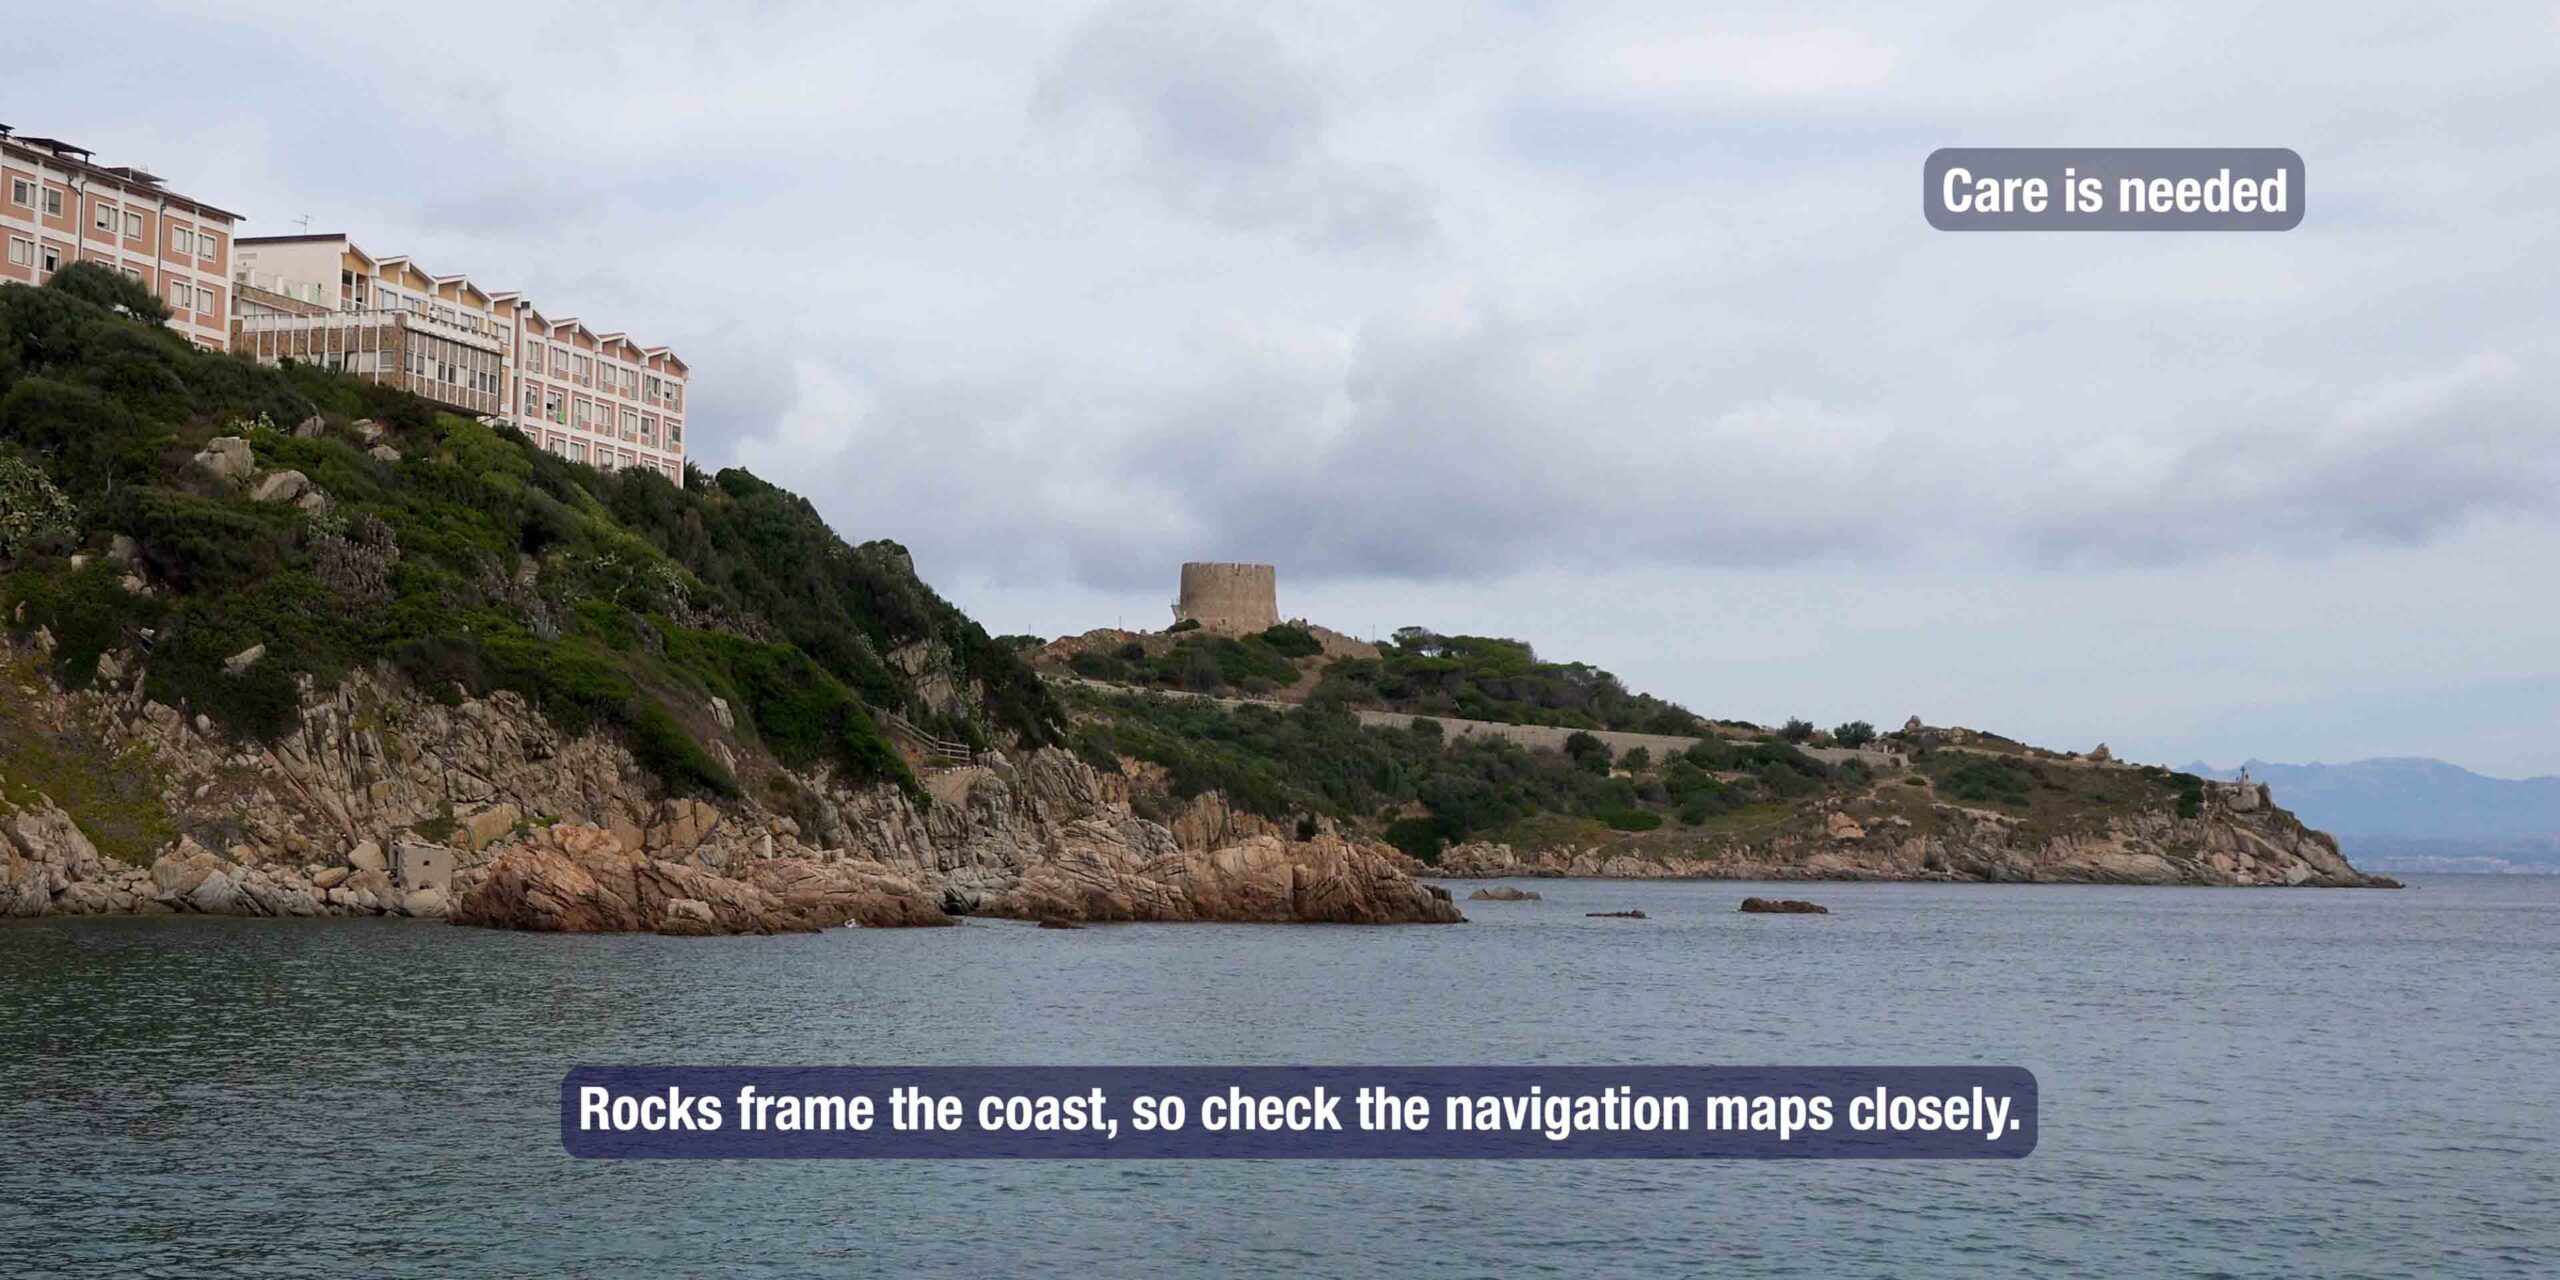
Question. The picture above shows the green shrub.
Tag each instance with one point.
(34, 515)
(1098, 666)
(1489, 678)
(1988, 779)
(1631, 819)
(1420, 838)
(1291, 641)
(107, 287)
(1587, 752)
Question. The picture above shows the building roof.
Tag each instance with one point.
(138, 181)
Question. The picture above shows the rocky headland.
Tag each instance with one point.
(2236, 836)
(546, 830)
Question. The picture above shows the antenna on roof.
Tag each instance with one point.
(303, 222)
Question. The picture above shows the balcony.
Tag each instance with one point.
(377, 346)
(356, 320)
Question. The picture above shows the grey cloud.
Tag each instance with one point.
(1683, 322)
(1226, 122)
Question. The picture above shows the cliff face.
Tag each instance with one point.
(2237, 837)
(553, 831)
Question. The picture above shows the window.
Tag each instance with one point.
(106, 219)
(182, 240)
(206, 299)
(533, 357)
(22, 193)
(181, 298)
(22, 253)
(207, 245)
(132, 225)
(630, 424)
(52, 260)
(132, 270)
(53, 202)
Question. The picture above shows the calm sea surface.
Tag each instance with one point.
(2235, 1082)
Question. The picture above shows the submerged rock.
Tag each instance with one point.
(1784, 907)
(1503, 893)
(1616, 915)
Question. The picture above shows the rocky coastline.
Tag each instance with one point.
(543, 830)
(2237, 838)
(532, 828)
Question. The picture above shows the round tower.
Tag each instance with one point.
(1231, 599)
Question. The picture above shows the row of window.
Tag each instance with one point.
(109, 218)
(549, 405)
(22, 193)
(47, 259)
(604, 456)
(453, 364)
(24, 253)
(193, 297)
(587, 371)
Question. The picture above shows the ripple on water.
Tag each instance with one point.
(2258, 1084)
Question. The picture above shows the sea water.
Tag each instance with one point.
(2234, 1082)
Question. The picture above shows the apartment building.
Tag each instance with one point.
(600, 398)
(59, 206)
(596, 397)
(321, 299)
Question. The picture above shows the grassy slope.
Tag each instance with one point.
(619, 600)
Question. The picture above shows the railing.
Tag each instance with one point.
(298, 290)
(360, 319)
(941, 751)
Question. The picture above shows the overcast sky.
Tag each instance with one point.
(1616, 327)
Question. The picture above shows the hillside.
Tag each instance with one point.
(391, 533)
(270, 633)
(1416, 671)
(264, 625)
(1408, 745)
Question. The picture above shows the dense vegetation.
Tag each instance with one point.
(473, 559)
(1486, 678)
(1199, 662)
(1319, 759)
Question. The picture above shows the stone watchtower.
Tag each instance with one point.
(1232, 599)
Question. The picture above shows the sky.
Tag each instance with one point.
(1613, 326)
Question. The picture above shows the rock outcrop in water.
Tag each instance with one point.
(1782, 907)
(551, 831)
(579, 879)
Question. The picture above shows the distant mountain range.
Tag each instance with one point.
(2412, 814)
